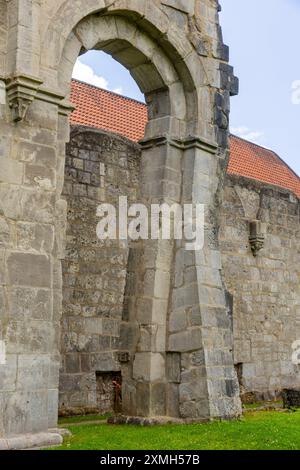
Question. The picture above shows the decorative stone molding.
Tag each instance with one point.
(183, 144)
(257, 236)
(65, 108)
(21, 92)
(55, 97)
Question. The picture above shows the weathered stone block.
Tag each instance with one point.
(193, 390)
(178, 321)
(29, 269)
(104, 362)
(72, 363)
(187, 6)
(40, 176)
(158, 399)
(5, 233)
(189, 340)
(33, 372)
(52, 408)
(11, 171)
(27, 303)
(8, 374)
(148, 367)
(37, 206)
(143, 399)
(173, 367)
(172, 406)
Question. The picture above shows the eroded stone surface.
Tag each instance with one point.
(179, 62)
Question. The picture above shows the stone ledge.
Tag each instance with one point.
(154, 421)
(29, 441)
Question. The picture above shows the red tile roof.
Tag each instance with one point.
(103, 109)
(106, 110)
(256, 162)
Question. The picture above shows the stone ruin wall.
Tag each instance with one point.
(100, 167)
(265, 290)
(175, 52)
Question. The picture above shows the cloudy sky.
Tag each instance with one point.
(264, 39)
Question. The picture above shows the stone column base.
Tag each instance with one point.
(29, 441)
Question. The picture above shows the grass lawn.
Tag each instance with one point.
(255, 431)
(82, 419)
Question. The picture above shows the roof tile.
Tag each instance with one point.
(103, 109)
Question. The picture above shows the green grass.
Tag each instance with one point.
(253, 406)
(255, 431)
(83, 419)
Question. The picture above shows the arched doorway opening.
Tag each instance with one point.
(168, 371)
(144, 334)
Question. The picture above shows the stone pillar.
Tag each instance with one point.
(30, 246)
(144, 329)
(200, 325)
(178, 326)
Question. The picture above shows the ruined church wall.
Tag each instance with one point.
(177, 56)
(265, 288)
(100, 167)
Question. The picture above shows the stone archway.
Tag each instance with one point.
(145, 370)
(184, 368)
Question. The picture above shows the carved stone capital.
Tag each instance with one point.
(257, 236)
(21, 91)
(257, 244)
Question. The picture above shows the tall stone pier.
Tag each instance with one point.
(176, 332)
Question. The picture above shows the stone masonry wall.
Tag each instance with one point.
(266, 288)
(263, 290)
(175, 51)
(100, 167)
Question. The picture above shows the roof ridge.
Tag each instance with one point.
(268, 150)
(251, 143)
(109, 92)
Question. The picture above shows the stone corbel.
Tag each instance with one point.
(124, 357)
(21, 92)
(257, 236)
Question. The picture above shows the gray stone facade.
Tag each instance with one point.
(263, 293)
(265, 288)
(102, 279)
(174, 51)
(100, 167)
